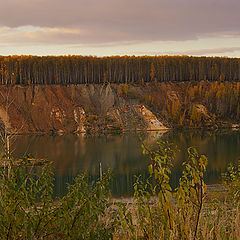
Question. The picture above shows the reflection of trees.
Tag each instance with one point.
(221, 147)
(122, 153)
(78, 153)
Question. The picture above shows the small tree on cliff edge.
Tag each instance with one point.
(6, 100)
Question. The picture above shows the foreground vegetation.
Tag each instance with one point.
(28, 210)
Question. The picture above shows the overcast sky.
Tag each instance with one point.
(119, 27)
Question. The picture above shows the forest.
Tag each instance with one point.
(26, 70)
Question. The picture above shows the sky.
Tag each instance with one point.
(120, 27)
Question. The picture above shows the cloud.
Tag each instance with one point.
(195, 52)
(115, 21)
(37, 35)
(213, 51)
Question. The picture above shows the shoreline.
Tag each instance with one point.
(111, 132)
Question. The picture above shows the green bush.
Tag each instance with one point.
(28, 211)
(160, 211)
(231, 181)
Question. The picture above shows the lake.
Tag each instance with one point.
(122, 153)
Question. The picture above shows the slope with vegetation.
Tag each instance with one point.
(120, 107)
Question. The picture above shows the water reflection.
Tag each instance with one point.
(122, 153)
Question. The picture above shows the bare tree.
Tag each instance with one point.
(5, 134)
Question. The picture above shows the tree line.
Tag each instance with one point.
(116, 69)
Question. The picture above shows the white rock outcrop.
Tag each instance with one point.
(153, 124)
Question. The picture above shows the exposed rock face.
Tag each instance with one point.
(80, 119)
(151, 120)
(235, 126)
(112, 107)
(75, 108)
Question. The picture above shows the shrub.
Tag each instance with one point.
(28, 210)
(231, 181)
(163, 212)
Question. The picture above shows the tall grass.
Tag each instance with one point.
(187, 212)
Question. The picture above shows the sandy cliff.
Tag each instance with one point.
(74, 108)
(118, 107)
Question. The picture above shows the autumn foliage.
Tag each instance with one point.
(116, 69)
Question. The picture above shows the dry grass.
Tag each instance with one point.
(220, 219)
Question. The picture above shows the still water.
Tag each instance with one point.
(122, 153)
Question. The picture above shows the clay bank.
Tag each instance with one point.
(74, 108)
(109, 107)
